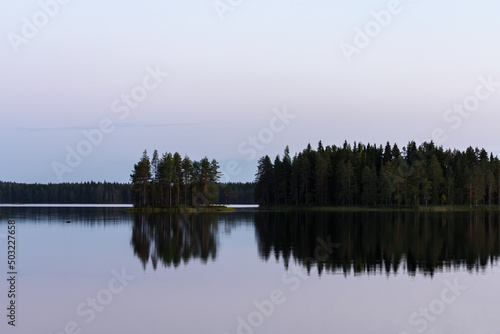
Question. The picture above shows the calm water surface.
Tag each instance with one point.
(111, 271)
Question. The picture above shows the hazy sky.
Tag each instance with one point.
(231, 78)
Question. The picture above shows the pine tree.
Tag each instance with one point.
(213, 179)
(155, 179)
(286, 171)
(264, 181)
(321, 178)
(490, 179)
(166, 177)
(369, 186)
(140, 177)
(478, 185)
(436, 178)
(177, 177)
(187, 169)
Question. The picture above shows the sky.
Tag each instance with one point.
(87, 86)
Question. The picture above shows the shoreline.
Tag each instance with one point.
(182, 209)
(440, 208)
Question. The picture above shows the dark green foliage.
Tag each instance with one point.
(172, 181)
(266, 185)
(108, 193)
(236, 193)
(371, 175)
(66, 193)
(140, 180)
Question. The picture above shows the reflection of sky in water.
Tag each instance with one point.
(61, 265)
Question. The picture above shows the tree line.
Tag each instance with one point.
(371, 175)
(171, 180)
(66, 193)
(236, 193)
(103, 193)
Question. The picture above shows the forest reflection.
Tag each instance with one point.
(381, 242)
(378, 243)
(172, 239)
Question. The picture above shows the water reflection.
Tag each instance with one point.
(368, 242)
(376, 243)
(170, 239)
(77, 215)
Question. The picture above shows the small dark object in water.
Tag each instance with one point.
(68, 222)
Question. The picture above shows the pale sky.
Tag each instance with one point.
(369, 71)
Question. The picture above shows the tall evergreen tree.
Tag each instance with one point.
(187, 171)
(264, 181)
(177, 177)
(140, 178)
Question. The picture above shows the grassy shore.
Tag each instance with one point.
(181, 209)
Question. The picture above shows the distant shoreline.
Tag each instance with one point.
(224, 208)
(64, 205)
(439, 208)
(181, 209)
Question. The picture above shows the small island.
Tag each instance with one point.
(171, 183)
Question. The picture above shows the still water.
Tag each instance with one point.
(111, 271)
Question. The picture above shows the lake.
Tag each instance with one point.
(105, 270)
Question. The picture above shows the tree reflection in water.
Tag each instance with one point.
(171, 238)
(381, 242)
(369, 242)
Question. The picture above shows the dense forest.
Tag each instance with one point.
(371, 175)
(66, 193)
(236, 193)
(171, 180)
(102, 193)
